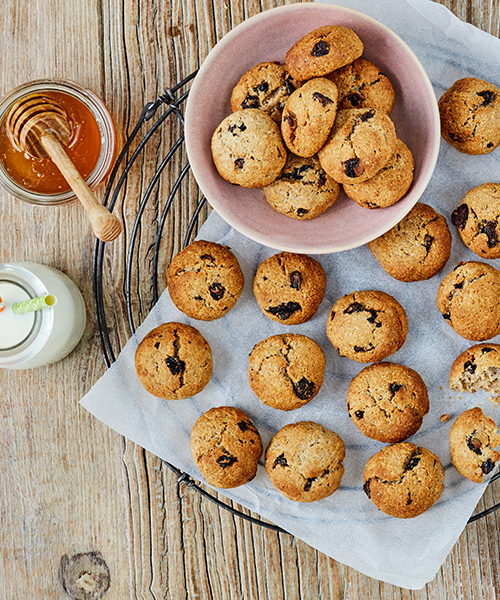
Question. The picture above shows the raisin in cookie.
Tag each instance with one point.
(387, 186)
(403, 480)
(226, 447)
(472, 438)
(477, 368)
(309, 115)
(304, 461)
(173, 361)
(322, 51)
(470, 116)
(289, 287)
(387, 402)
(417, 247)
(362, 85)
(302, 190)
(204, 280)
(468, 300)
(247, 148)
(286, 371)
(266, 86)
(477, 220)
(361, 142)
(367, 326)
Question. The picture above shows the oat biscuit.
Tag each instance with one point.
(204, 280)
(403, 480)
(289, 287)
(226, 447)
(304, 461)
(173, 361)
(417, 247)
(473, 436)
(387, 402)
(477, 368)
(286, 371)
(247, 148)
(367, 326)
(468, 300)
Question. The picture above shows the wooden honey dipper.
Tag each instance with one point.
(39, 126)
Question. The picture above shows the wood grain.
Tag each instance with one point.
(68, 484)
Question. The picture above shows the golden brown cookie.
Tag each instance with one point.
(205, 280)
(477, 368)
(308, 116)
(403, 480)
(367, 326)
(477, 220)
(470, 116)
(417, 247)
(173, 361)
(387, 186)
(304, 461)
(286, 371)
(387, 402)
(322, 51)
(361, 142)
(247, 148)
(468, 299)
(472, 438)
(226, 447)
(289, 287)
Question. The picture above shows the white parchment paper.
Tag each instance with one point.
(345, 526)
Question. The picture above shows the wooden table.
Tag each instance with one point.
(68, 484)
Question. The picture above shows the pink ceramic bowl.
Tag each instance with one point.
(267, 36)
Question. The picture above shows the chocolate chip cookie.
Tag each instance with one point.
(477, 368)
(226, 447)
(304, 461)
(173, 361)
(286, 371)
(387, 402)
(403, 480)
(367, 326)
(205, 280)
(472, 438)
(289, 287)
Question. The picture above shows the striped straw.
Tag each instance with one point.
(44, 301)
(2, 304)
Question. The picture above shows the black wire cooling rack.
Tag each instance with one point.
(167, 107)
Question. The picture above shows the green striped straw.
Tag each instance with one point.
(44, 301)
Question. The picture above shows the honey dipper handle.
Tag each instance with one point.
(106, 225)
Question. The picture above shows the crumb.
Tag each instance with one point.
(495, 400)
(444, 418)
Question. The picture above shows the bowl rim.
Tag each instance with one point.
(417, 189)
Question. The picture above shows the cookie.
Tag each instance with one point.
(289, 287)
(417, 247)
(477, 368)
(308, 116)
(267, 86)
(363, 85)
(387, 186)
(361, 142)
(468, 300)
(387, 402)
(470, 116)
(247, 148)
(205, 280)
(226, 447)
(303, 190)
(473, 436)
(476, 220)
(322, 51)
(367, 326)
(403, 480)
(304, 461)
(173, 361)
(286, 371)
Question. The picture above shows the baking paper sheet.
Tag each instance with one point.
(345, 526)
